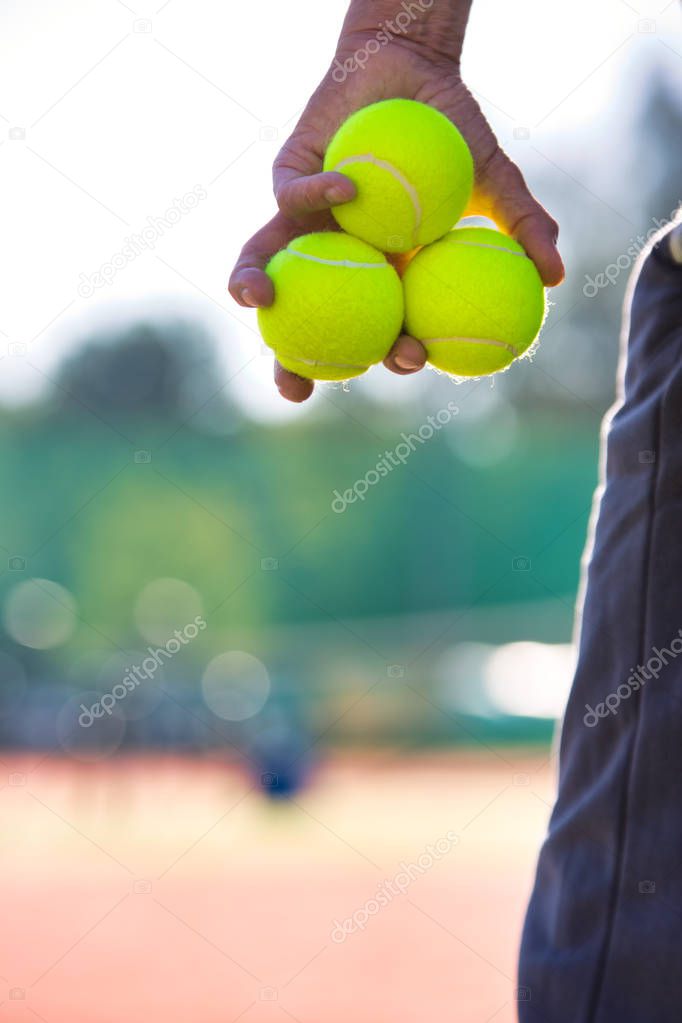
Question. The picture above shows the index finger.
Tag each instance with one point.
(249, 285)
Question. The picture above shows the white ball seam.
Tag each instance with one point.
(407, 185)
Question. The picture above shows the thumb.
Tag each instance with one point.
(300, 185)
(503, 195)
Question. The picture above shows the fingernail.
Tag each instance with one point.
(248, 298)
(336, 194)
(406, 363)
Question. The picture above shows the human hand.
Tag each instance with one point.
(305, 195)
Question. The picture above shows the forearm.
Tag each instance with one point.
(438, 25)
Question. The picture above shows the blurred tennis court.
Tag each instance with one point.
(165, 888)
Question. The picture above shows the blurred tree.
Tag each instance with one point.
(658, 138)
(142, 369)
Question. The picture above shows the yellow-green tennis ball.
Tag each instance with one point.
(412, 169)
(475, 300)
(338, 306)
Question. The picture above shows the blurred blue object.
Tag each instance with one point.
(279, 745)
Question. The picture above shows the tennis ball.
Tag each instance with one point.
(412, 169)
(338, 306)
(475, 300)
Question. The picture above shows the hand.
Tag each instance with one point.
(305, 195)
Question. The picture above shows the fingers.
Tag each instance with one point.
(537, 232)
(291, 386)
(249, 285)
(500, 191)
(508, 200)
(407, 356)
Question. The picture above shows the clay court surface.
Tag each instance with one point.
(164, 890)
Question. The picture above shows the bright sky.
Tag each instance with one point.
(110, 112)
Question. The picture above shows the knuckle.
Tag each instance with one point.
(307, 192)
(553, 226)
(282, 197)
(295, 196)
(488, 162)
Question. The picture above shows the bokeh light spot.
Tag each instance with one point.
(165, 605)
(235, 685)
(40, 614)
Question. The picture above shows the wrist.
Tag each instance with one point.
(434, 25)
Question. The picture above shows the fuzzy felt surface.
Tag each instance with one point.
(412, 169)
(476, 301)
(338, 306)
